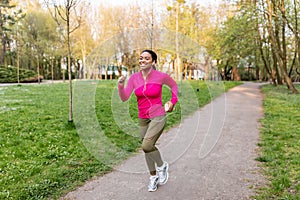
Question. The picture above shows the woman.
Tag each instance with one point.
(147, 86)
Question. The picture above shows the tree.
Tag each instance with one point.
(199, 23)
(277, 32)
(67, 16)
(291, 18)
(258, 30)
(8, 17)
(83, 42)
(39, 38)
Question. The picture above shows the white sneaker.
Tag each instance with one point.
(163, 173)
(153, 183)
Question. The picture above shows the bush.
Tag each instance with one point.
(10, 75)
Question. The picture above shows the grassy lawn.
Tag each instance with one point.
(42, 156)
(280, 144)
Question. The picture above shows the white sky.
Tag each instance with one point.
(149, 2)
(125, 2)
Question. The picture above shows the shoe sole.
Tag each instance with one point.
(152, 190)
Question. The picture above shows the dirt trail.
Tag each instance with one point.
(211, 155)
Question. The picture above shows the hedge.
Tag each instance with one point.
(10, 75)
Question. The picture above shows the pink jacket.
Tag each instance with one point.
(149, 92)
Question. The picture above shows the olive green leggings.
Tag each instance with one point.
(150, 130)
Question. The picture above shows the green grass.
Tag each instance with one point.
(42, 155)
(40, 151)
(280, 144)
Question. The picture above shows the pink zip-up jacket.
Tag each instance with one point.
(149, 92)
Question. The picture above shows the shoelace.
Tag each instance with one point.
(153, 181)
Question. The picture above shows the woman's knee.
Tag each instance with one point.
(147, 147)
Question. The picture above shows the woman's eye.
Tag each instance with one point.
(146, 58)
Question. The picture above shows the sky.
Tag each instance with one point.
(126, 2)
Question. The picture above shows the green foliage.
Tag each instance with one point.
(10, 75)
(194, 21)
(38, 43)
(40, 29)
(9, 16)
(280, 144)
(237, 37)
(42, 155)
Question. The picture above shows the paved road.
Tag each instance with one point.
(211, 156)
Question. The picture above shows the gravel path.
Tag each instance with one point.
(211, 156)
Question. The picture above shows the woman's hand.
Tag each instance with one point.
(121, 80)
(169, 106)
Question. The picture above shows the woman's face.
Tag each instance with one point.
(145, 61)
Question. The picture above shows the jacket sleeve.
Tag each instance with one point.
(173, 86)
(125, 92)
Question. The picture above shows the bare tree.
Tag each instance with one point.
(67, 15)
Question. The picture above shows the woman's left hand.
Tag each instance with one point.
(169, 106)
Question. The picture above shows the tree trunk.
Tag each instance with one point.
(288, 80)
(69, 65)
(275, 75)
(235, 74)
(264, 59)
(275, 43)
(2, 38)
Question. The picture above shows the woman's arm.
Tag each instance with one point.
(174, 89)
(125, 92)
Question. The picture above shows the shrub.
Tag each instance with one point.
(10, 75)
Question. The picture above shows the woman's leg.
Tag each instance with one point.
(150, 130)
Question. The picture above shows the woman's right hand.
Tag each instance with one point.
(121, 80)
